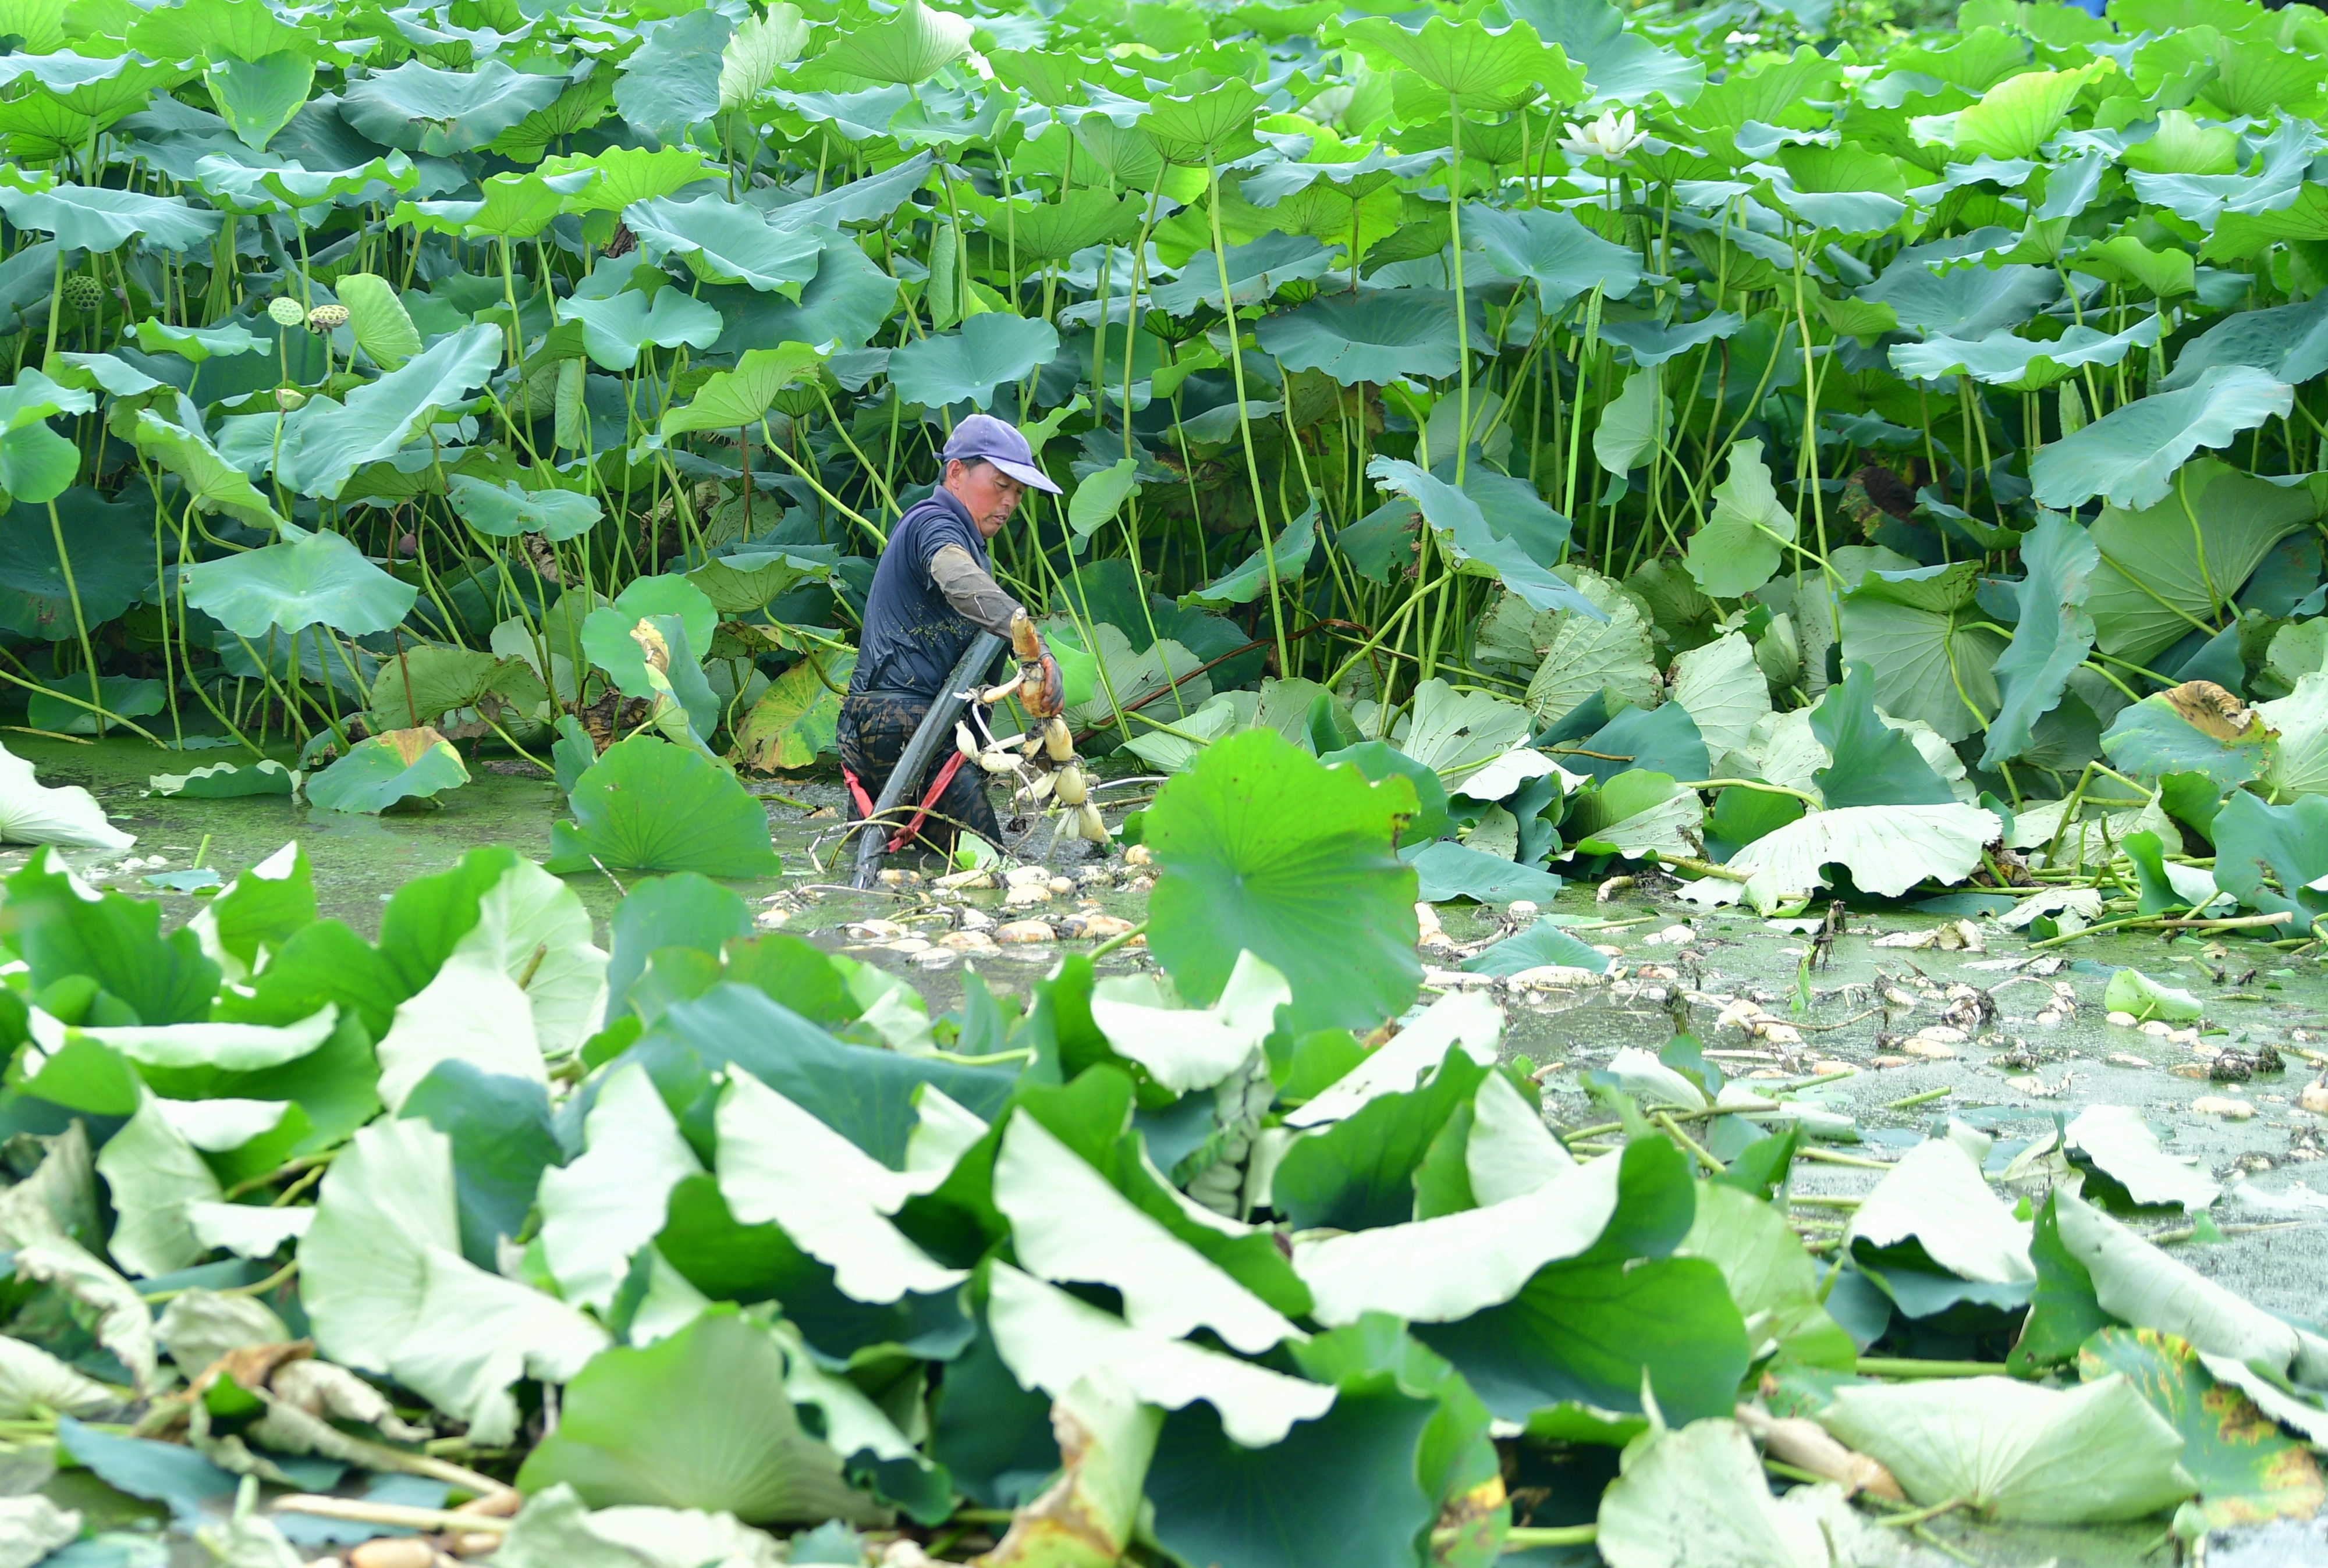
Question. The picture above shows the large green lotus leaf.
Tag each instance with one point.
(257, 97)
(741, 397)
(1207, 128)
(615, 329)
(579, 108)
(325, 443)
(225, 781)
(114, 940)
(2136, 1283)
(2017, 363)
(723, 241)
(2288, 842)
(108, 549)
(2130, 454)
(211, 483)
(967, 365)
(2017, 114)
(1887, 849)
(393, 766)
(444, 113)
(1570, 658)
(196, 343)
(1930, 665)
(1699, 1495)
(1041, 231)
(100, 218)
(671, 81)
(121, 696)
(1381, 335)
(847, 303)
(1633, 423)
(219, 30)
(2118, 1142)
(650, 805)
(2185, 729)
(1456, 733)
(1243, 583)
(796, 720)
(628, 174)
(1739, 549)
(2078, 1456)
(505, 511)
(2286, 342)
(762, 47)
(910, 45)
(1620, 66)
(502, 1141)
(1936, 1199)
(1481, 68)
(300, 188)
(152, 1174)
(1872, 765)
(666, 595)
(2247, 1469)
(2051, 638)
(611, 640)
(1772, 1280)
(1540, 944)
(1473, 542)
(1259, 847)
(377, 319)
(517, 205)
(1593, 1329)
(307, 579)
(1347, 1487)
(384, 1283)
(1362, 1171)
(1257, 270)
(2297, 762)
(2159, 573)
(598, 1209)
(421, 684)
(1070, 1226)
(780, 1162)
(1970, 302)
(1051, 1341)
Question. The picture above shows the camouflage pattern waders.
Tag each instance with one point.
(874, 729)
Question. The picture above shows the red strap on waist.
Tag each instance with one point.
(905, 835)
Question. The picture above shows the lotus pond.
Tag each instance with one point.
(1700, 636)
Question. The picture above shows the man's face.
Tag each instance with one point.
(990, 494)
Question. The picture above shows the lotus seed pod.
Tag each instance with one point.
(1058, 739)
(1069, 785)
(323, 318)
(1093, 827)
(285, 311)
(288, 399)
(82, 293)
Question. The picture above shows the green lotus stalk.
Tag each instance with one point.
(1244, 426)
(81, 620)
(1462, 315)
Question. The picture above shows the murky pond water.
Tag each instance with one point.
(2006, 1070)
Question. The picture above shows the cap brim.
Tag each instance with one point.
(1027, 474)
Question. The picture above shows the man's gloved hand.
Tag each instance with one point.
(1041, 691)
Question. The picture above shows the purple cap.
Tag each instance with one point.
(982, 435)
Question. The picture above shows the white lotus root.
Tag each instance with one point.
(1042, 764)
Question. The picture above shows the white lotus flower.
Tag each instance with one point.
(1611, 135)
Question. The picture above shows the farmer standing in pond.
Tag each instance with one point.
(932, 595)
